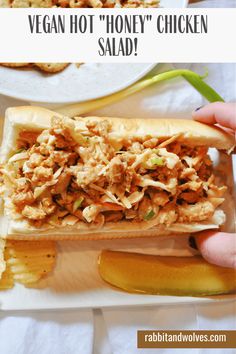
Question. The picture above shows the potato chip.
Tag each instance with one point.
(25, 262)
(2, 260)
(29, 261)
(6, 277)
(7, 281)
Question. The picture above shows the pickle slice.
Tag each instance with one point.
(181, 276)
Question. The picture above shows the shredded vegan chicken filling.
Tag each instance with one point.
(62, 176)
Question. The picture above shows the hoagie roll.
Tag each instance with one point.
(96, 178)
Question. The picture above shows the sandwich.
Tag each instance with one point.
(103, 178)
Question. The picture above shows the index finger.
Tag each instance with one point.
(220, 113)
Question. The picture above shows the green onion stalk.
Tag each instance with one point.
(191, 77)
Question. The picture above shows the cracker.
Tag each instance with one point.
(51, 67)
(46, 67)
(15, 65)
(79, 3)
(32, 3)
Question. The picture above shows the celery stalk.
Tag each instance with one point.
(193, 78)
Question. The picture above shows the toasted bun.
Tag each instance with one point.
(20, 230)
(191, 132)
(22, 118)
(37, 119)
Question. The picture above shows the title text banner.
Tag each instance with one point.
(115, 35)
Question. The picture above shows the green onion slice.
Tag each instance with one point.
(157, 161)
(77, 203)
(149, 215)
(19, 151)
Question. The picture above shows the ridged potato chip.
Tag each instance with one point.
(6, 277)
(6, 281)
(27, 262)
(2, 260)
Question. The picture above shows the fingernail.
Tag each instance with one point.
(192, 242)
(197, 109)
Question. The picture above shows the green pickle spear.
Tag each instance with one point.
(164, 275)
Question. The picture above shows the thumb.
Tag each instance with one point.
(217, 247)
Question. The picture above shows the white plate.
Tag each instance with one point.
(76, 283)
(174, 3)
(74, 84)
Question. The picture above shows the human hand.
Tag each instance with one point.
(218, 247)
(220, 113)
